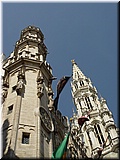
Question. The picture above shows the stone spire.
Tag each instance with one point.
(77, 73)
(100, 129)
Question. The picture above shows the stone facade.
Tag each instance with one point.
(93, 131)
(32, 128)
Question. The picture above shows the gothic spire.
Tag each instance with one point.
(77, 73)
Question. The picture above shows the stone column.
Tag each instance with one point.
(20, 92)
(38, 127)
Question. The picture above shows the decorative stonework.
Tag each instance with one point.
(4, 94)
(47, 121)
(100, 124)
(40, 87)
(20, 83)
(27, 72)
(50, 96)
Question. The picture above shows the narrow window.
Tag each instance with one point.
(99, 134)
(87, 102)
(89, 138)
(25, 138)
(14, 88)
(87, 99)
(78, 75)
(81, 83)
(10, 108)
(32, 55)
(76, 86)
(80, 103)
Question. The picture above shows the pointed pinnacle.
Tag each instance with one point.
(73, 61)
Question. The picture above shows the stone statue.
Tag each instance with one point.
(40, 88)
(19, 86)
(4, 94)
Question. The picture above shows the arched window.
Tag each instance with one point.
(80, 104)
(78, 75)
(99, 133)
(89, 105)
(81, 83)
(75, 84)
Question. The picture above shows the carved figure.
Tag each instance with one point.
(40, 89)
(4, 94)
(19, 86)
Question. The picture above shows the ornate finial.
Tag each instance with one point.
(73, 61)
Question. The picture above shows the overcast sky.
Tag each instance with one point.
(86, 32)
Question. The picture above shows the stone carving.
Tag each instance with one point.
(5, 79)
(19, 86)
(50, 96)
(46, 119)
(50, 104)
(4, 94)
(40, 88)
(78, 141)
(21, 78)
(73, 151)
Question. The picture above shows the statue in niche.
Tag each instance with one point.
(51, 101)
(19, 86)
(50, 104)
(4, 94)
(40, 87)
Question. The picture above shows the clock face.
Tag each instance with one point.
(46, 119)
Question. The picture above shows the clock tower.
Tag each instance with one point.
(32, 128)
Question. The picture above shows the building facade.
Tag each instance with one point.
(32, 128)
(93, 131)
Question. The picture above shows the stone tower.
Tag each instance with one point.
(32, 128)
(93, 131)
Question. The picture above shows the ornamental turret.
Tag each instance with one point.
(31, 44)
